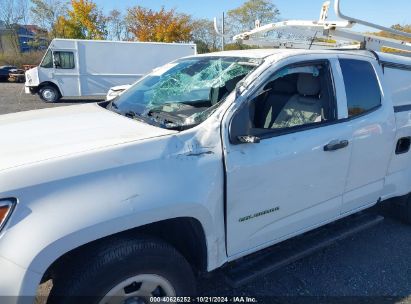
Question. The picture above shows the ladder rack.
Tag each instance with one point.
(330, 29)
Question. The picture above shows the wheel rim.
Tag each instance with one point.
(139, 289)
(49, 94)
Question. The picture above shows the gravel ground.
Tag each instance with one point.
(374, 266)
(13, 99)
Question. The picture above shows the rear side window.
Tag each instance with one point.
(361, 86)
(64, 60)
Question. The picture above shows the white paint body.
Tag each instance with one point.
(100, 65)
(99, 173)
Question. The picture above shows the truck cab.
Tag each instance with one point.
(55, 76)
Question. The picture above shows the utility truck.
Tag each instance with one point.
(205, 163)
(82, 68)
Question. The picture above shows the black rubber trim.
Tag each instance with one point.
(404, 108)
(398, 66)
(403, 145)
(377, 57)
(225, 192)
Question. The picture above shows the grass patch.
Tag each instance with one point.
(20, 59)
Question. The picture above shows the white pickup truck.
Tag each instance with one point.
(204, 161)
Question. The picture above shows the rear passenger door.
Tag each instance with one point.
(372, 121)
(287, 156)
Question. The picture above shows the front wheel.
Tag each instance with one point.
(127, 271)
(49, 94)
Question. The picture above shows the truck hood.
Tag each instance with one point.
(34, 136)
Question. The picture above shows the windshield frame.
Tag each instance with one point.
(241, 61)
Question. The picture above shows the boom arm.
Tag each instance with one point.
(332, 29)
(339, 14)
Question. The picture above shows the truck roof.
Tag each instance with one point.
(118, 42)
(396, 58)
(264, 53)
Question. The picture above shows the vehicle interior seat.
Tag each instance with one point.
(305, 107)
(278, 94)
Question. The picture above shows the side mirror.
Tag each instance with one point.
(241, 126)
(56, 64)
(249, 139)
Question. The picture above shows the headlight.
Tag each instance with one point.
(6, 208)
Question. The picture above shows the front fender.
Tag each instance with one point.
(105, 192)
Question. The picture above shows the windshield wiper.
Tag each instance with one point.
(146, 119)
(130, 114)
(135, 116)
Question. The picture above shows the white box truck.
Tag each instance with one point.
(73, 68)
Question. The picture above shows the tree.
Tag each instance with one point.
(398, 27)
(116, 26)
(238, 46)
(403, 28)
(243, 18)
(161, 26)
(204, 36)
(13, 12)
(46, 13)
(84, 21)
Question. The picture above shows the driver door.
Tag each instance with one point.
(66, 72)
(288, 175)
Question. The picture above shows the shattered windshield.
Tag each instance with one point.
(183, 93)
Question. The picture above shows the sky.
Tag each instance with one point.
(384, 12)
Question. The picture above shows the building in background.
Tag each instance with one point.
(31, 37)
(22, 38)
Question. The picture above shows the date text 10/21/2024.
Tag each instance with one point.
(203, 300)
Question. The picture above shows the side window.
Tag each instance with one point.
(64, 60)
(296, 96)
(361, 86)
(47, 62)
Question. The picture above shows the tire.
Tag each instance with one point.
(49, 93)
(129, 262)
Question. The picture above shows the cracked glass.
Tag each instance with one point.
(184, 93)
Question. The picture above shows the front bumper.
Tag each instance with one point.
(17, 285)
(30, 90)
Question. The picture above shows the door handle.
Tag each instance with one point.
(336, 145)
